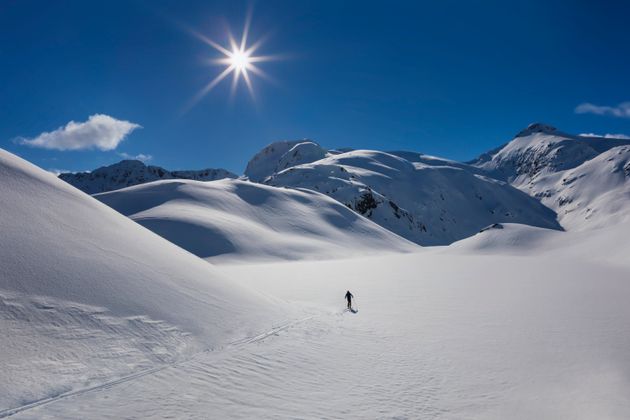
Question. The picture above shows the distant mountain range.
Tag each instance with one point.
(542, 177)
(127, 173)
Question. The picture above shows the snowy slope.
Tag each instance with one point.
(509, 239)
(541, 149)
(87, 295)
(242, 220)
(606, 246)
(428, 200)
(282, 155)
(592, 195)
(584, 179)
(133, 172)
(515, 322)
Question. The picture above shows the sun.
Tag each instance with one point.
(239, 60)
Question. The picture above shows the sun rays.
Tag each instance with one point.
(239, 60)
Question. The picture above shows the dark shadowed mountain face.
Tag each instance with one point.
(127, 173)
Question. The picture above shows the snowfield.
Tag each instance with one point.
(524, 315)
(437, 335)
(244, 221)
(87, 295)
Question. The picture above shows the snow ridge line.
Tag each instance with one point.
(150, 371)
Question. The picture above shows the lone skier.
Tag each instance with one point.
(349, 297)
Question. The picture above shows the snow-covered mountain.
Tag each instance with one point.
(100, 317)
(134, 172)
(427, 200)
(87, 295)
(240, 220)
(282, 155)
(543, 178)
(585, 179)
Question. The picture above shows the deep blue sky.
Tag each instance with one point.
(450, 78)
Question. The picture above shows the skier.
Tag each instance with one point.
(349, 297)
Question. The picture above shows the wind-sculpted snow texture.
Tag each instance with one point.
(87, 295)
(438, 335)
(233, 219)
(133, 172)
(427, 200)
(586, 180)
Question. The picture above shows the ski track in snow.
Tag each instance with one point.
(136, 375)
(433, 339)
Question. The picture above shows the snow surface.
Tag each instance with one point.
(282, 155)
(87, 295)
(437, 335)
(427, 200)
(515, 321)
(241, 220)
(607, 246)
(585, 180)
(133, 172)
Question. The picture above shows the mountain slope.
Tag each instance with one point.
(585, 179)
(282, 155)
(424, 199)
(133, 172)
(541, 149)
(240, 220)
(592, 195)
(87, 295)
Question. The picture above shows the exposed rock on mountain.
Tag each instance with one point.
(133, 172)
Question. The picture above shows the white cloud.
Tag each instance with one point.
(100, 132)
(621, 111)
(141, 156)
(607, 136)
(58, 172)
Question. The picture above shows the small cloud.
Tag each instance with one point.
(621, 111)
(141, 156)
(58, 172)
(606, 136)
(100, 132)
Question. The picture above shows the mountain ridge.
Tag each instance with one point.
(435, 201)
(130, 172)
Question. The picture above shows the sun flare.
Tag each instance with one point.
(238, 59)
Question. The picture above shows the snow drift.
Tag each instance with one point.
(87, 294)
(241, 220)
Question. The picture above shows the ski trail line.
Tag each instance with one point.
(150, 371)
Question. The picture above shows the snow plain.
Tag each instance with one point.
(439, 334)
(101, 318)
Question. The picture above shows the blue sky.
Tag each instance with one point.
(450, 78)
